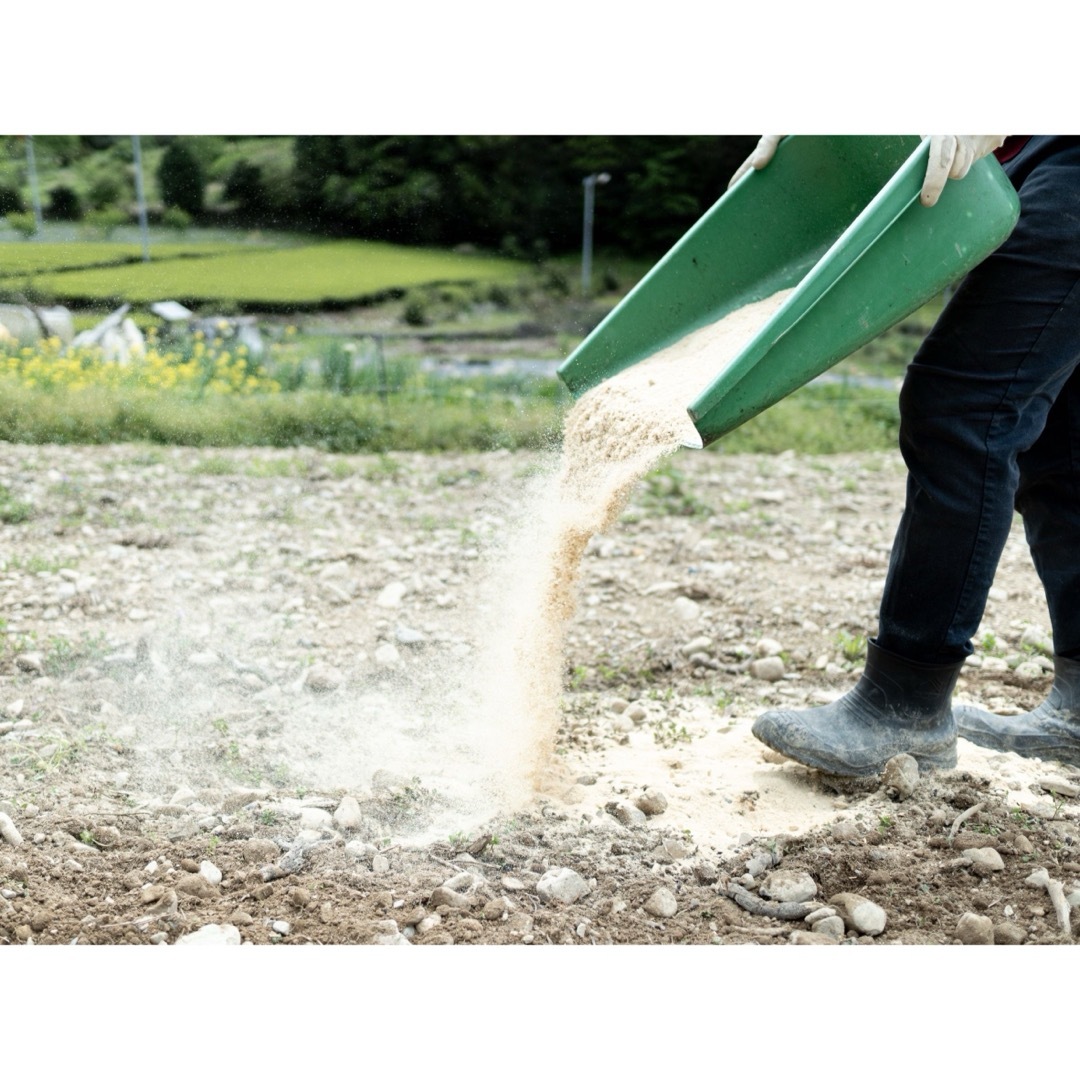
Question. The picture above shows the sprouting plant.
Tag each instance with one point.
(851, 646)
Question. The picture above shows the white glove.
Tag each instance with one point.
(951, 156)
(762, 155)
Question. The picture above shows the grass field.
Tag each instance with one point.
(333, 273)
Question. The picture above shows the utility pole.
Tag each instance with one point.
(140, 195)
(35, 196)
(589, 184)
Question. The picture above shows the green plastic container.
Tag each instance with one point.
(838, 219)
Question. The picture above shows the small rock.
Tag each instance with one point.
(8, 831)
(831, 926)
(259, 850)
(211, 934)
(196, 885)
(662, 903)
(387, 655)
(512, 884)
(820, 913)
(707, 873)
(312, 817)
(322, 678)
(984, 860)
(697, 645)
(859, 914)
(380, 864)
(975, 929)
(811, 937)
(789, 886)
(768, 669)
(1007, 933)
(1028, 670)
(625, 813)
(31, 662)
(391, 595)
(901, 777)
(636, 713)
(618, 705)
(444, 896)
(210, 872)
(686, 608)
(281, 926)
(768, 647)
(651, 802)
(347, 816)
(298, 896)
(562, 885)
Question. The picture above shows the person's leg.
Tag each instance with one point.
(1049, 500)
(975, 398)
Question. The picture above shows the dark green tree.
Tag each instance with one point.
(181, 180)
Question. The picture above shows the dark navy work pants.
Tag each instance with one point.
(990, 422)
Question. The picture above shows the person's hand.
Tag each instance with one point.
(951, 156)
(762, 155)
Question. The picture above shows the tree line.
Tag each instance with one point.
(522, 194)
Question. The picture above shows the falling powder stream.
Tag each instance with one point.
(612, 437)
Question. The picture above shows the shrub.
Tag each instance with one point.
(64, 204)
(106, 221)
(181, 179)
(175, 218)
(23, 223)
(416, 312)
(11, 201)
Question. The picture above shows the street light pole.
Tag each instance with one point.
(140, 195)
(589, 183)
(35, 196)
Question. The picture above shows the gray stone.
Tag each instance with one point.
(651, 802)
(281, 926)
(974, 929)
(211, 934)
(31, 662)
(347, 816)
(1007, 933)
(768, 669)
(322, 678)
(562, 885)
(662, 903)
(698, 645)
(831, 926)
(8, 831)
(901, 777)
(984, 860)
(209, 872)
(626, 813)
(442, 895)
(859, 914)
(789, 886)
(824, 912)
(380, 864)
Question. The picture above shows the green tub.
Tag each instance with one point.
(838, 219)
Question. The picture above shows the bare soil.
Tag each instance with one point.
(204, 652)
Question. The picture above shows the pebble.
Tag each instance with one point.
(281, 926)
(832, 926)
(322, 678)
(768, 647)
(651, 802)
(707, 873)
(1028, 669)
(768, 669)
(789, 886)
(901, 777)
(512, 884)
(442, 895)
(626, 814)
(974, 929)
(211, 934)
(1007, 933)
(260, 850)
(8, 831)
(984, 860)
(671, 850)
(820, 913)
(859, 914)
(347, 816)
(697, 645)
(636, 713)
(562, 885)
(380, 864)
(810, 937)
(32, 662)
(686, 608)
(210, 872)
(391, 595)
(662, 903)
(387, 655)
(315, 818)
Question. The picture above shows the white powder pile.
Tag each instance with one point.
(613, 436)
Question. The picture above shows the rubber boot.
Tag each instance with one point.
(1051, 731)
(897, 707)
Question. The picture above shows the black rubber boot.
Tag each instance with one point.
(897, 707)
(1051, 732)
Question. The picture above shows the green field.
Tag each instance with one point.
(19, 260)
(333, 273)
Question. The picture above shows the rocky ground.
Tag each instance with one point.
(234, 706)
